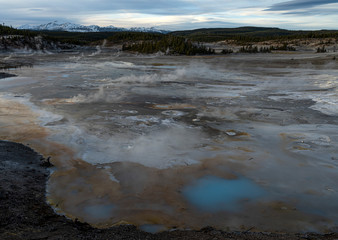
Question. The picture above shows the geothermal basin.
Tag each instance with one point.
(164, 142)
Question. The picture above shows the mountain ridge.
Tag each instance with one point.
(72, 27)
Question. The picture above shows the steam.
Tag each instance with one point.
(322, 89)
(117, 89)
(77, 58)
(9, 57)
(195, 81)
(163, 138)
(99, 49)
(145, 79)
(167, 147)
(327, 104)
(97, 52)
(101, 96)
(114, 64)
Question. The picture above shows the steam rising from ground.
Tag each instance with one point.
(175, 145)
(99, 96)
(143, 129)
(99, 49)
(115, 89)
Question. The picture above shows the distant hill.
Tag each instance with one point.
(250, 34)
(84, 34)
(12, 39)
(190, 42)
(71, 27)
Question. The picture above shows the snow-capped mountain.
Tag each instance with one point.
(71, 27)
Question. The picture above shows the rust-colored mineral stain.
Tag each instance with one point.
(245, 149)
(56, 101)
(18, 123)
(72, 175)
(162, 64)
(235, 133)
(142, 195)
(76, 184)
(174, 106)
(300, 148)
(138, 194)
(83, 185)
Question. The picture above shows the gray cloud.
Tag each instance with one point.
(36, 10)
(313, 12)
(299, 4)
(18, 12)
(173, 14)
(145, 6)
(194, 25)
(7, 18)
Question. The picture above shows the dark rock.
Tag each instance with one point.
(46, 162)
(6, 75)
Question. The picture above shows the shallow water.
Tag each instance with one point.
(187, 142)
(152, 228)
(216, 194)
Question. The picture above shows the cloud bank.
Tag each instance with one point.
(175, 14)
(299, 4)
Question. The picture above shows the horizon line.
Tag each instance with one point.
(163, 29)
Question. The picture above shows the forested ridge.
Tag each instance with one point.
(168, 44)
(252, 34)
(190, 42)
(6, 30)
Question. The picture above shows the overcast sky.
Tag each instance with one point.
(174, 14)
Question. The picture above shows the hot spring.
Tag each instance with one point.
(168, 142)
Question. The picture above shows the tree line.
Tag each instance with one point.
(168, 44)
(174, 43)
(243, 35)
(6, 30)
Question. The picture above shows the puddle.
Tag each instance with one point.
(173, 113)
(213, 194)
(152, 228)
(99, 212)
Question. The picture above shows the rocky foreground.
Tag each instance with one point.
(24, 213)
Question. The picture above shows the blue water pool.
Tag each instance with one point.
(212, 193)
